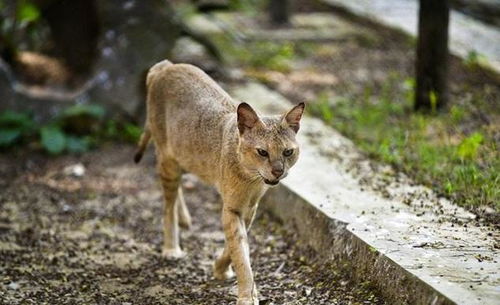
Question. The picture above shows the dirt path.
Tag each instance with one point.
(96, 239)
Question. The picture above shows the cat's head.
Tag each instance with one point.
(267, 146)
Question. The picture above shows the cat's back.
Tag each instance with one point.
(186, 85)
(188, 113)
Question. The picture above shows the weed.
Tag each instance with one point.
(322, 108)
(474, 60)
(257, 54)
(469, 147)
(250, 7)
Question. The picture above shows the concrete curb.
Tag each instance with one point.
(416, 247)
(332, 240)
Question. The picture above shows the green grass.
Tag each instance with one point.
(433, 149)
(277, 56)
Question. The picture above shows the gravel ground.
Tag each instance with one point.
(95, 239)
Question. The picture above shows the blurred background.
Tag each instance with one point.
(414, 84)
(421, 96)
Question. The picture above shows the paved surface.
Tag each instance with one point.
(95, 239)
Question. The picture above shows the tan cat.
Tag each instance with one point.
(197, 127)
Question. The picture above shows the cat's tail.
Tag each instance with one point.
(146, 135)
(143, 144)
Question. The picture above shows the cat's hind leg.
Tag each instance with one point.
(170, 174)
(183, 212)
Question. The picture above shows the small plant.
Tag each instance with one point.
(14, 126)
(257, 54)
(270, 55)
(75, 130)
(475, 59)
(433, 98)
(469, 147)
(322, 108)
(251, 7)
(457, 114)
(53, 139)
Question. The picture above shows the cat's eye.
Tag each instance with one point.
(288, 152)
(262, 152)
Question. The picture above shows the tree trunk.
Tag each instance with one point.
(279, 11)
(432, 55)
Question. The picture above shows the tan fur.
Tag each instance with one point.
(197, 127)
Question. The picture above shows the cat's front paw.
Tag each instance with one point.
(174, 253)
(247, 301)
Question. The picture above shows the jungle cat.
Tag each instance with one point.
(197, 127)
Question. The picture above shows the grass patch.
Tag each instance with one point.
(436, 150)
(277, 56)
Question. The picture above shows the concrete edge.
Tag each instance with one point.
(331, 240)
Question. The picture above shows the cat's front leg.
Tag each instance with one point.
(170, 174)
(237, 244)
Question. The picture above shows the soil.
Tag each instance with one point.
(87, 230)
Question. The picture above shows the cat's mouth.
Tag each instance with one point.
(266, 181)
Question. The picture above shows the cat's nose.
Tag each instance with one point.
(277, 171)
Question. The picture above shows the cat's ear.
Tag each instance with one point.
(247, 117)
(292, 118)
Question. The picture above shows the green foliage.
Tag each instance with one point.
(469, 147)
(94, 111)
(409, 86)
(13, 126)
(475, 59)
(279, 56)
(77, 144)
(251, 7)
(433, 98)
(132, 133)
(8, 136)
(456, 114)
(21, 121)
(75, 130)
(322, 108)
(386, 128)
(27, 11)
(21, 27)
(257, 54)
(265, 54)
(53, 139)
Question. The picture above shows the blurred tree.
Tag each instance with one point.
(432, 55)
(75, 29)
(279, 11)
(211, 5)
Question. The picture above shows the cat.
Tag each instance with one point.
(197, 127)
